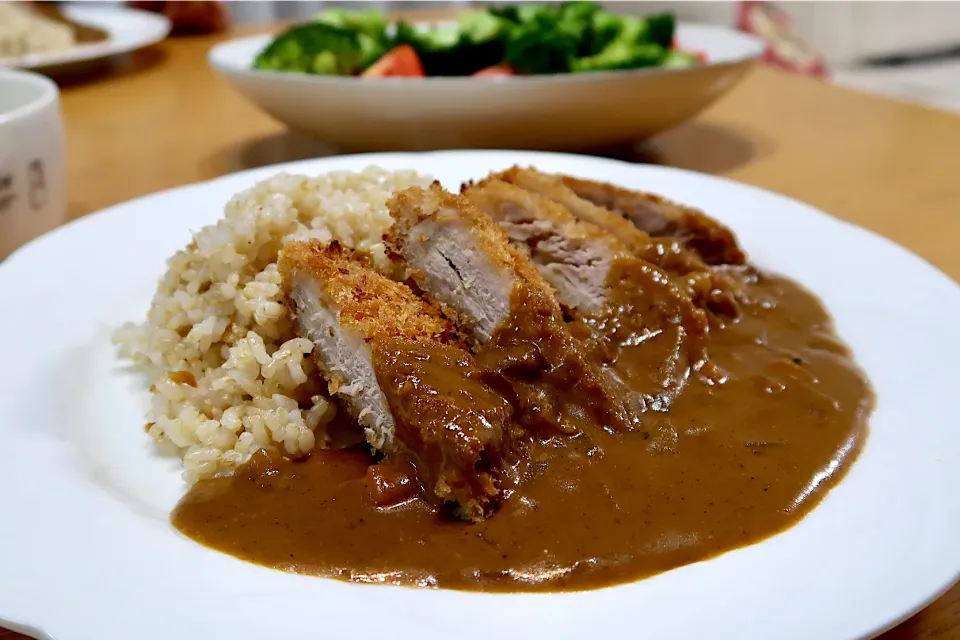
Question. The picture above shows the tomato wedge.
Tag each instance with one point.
(701, 56)
(496, 71)
(399, 62)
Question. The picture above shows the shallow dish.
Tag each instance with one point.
(127, 30)
(545, 112)
(89, 552)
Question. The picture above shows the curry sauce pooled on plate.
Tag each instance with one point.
(557, 384)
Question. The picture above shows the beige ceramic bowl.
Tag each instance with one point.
(538, 112)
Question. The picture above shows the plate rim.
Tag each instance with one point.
(357, 161)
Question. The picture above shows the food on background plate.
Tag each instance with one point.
(28, 28)
(539, 383)
(543, 38)
(401, 61)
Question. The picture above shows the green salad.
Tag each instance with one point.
(530, 39)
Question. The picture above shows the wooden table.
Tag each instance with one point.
(162, 119)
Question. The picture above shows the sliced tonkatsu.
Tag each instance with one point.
(399, 367)
(464, 262)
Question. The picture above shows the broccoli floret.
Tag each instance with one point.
(625, 42)
(507, 13)
(573, 14)
(439, 39)
(656, 29)
(406, 33)
(474, 43)
(370, 26)
(680, 59)
(435, 40)
(661, 28)
(436, 47)
(371, 49)
(371, 22)
(480, 27)
(621, 55)
(542, 48)
(525, 13)
(579, 11)
(545, 38)
(577, 18)
(483, 39)
(324, 64)
(313, 48)
(633, 30)
(604, 28)
(541, 13)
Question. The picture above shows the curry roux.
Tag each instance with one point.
(741, 447)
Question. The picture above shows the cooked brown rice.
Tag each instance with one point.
(218, 320)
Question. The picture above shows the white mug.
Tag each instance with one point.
(33, 180)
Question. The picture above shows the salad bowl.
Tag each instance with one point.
(545, 110)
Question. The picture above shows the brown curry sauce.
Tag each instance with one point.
(744, 447)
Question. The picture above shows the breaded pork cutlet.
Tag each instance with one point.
(551, 188)
(464, 262)
(593, 273)
(649, 213)
(399, 367)
(575, 258)
(457, 257)
(660, 217)
(675, 252)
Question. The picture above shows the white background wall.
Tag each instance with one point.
(843, 31)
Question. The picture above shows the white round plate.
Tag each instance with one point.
(127, 30)
(88, 552)
(564, 111)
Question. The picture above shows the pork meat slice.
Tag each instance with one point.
(463, 261)
(658, 216)
(713, 287)
(551, 187)
(593, 272)
(463, 264)
(575, 258)
(396, 363)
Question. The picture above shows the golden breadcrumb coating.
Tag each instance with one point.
(367, 302)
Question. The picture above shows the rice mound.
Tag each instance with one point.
(229, 374)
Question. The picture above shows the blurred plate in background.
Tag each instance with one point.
(113, 30)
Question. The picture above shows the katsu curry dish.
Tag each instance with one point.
(539, 383)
